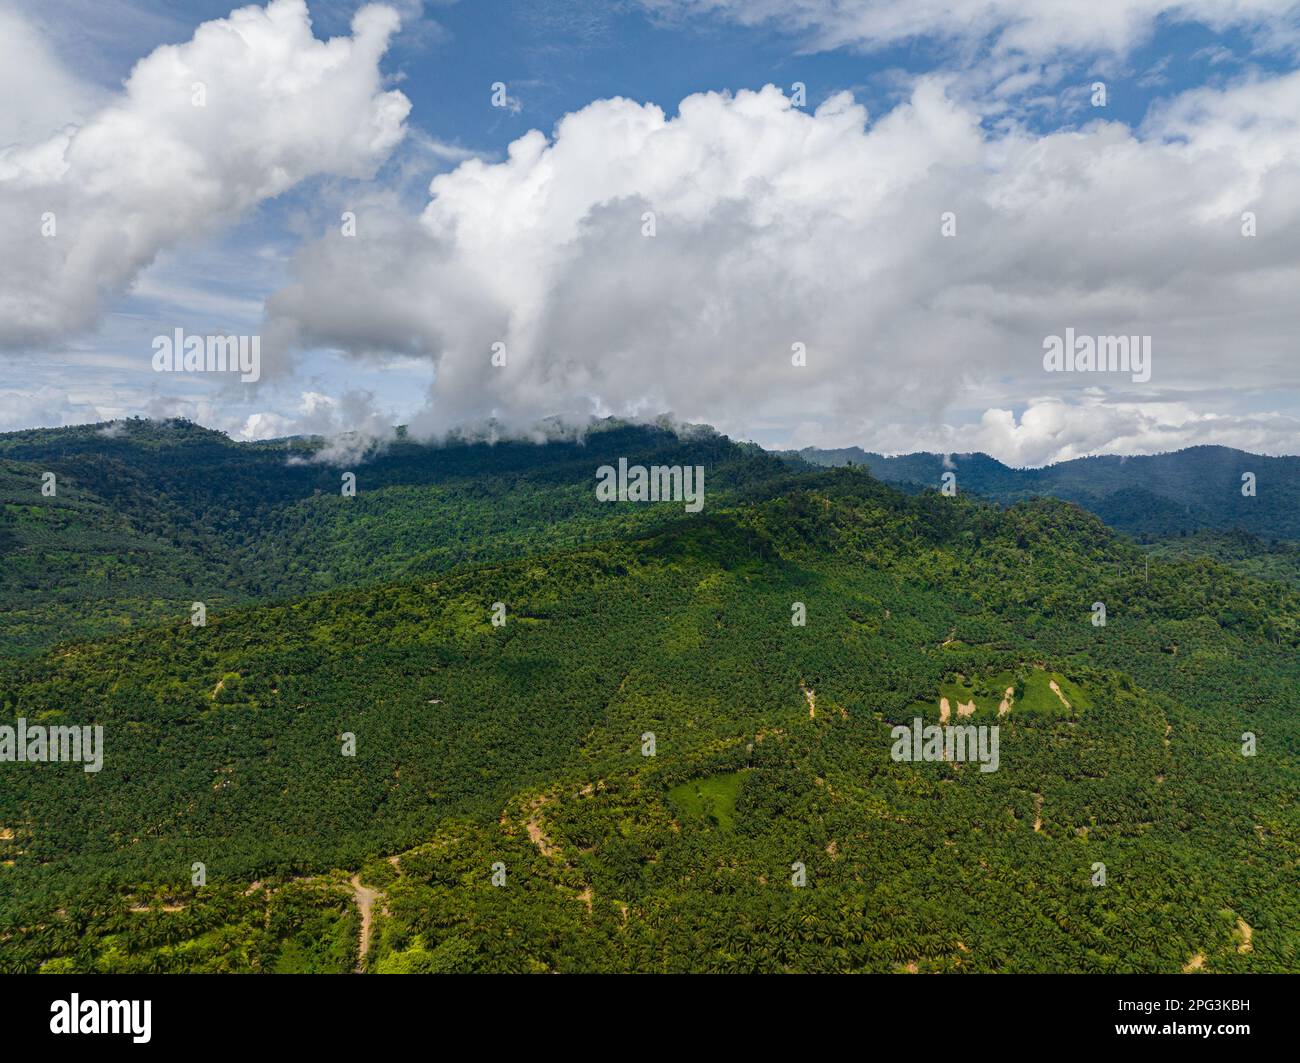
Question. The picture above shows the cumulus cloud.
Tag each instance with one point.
(1012, 26)
(775, 227)
(640, 263)
(84, 210)
(30, 72)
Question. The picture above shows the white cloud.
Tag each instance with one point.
(1013, 26)
(43, 406)
(151, 169)
(1051, 429)
(352, 422)
(776, 226)
(48, 97)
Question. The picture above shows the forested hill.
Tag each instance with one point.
(674, 754)
(149, 517)
(1183, 491)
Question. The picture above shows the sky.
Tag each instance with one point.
(804, 222)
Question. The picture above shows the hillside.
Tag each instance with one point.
(150, 517)
(1264, 559)
(519, 749)
(1164, 494)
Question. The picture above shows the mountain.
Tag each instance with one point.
(474, 720)
(1159, 495)
(149, 517)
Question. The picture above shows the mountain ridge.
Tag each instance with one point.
(1139, 494)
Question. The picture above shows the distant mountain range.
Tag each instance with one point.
(1165, 494)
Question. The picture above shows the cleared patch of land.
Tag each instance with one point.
(712, 798)
(1026, 690)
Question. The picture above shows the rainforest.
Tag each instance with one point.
(668, 750)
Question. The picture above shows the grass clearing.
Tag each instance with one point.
(712, 798)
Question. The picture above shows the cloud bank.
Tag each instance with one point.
(775, 227)
(203, 132)
(793, 276)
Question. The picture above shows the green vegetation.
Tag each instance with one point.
(713, 799)
(1023, 689)
(1175, 494)
(150, 517)
(1264, 559)
(307, 927)
(520, 747)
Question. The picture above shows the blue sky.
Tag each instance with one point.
(558, 55)
(557, 59)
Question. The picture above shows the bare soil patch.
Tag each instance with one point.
(1008, 699)
(365, 897)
